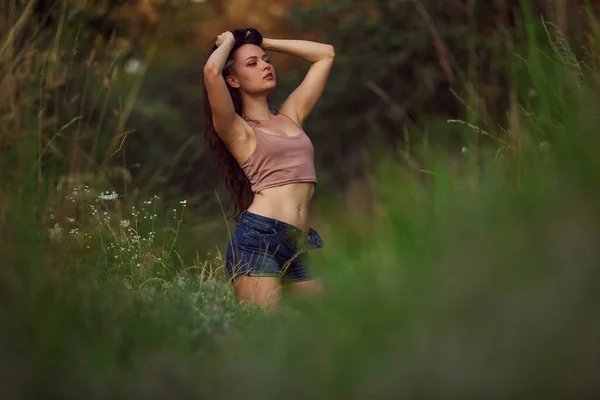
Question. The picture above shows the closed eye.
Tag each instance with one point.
(252, 64)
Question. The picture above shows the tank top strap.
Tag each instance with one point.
(294, 122)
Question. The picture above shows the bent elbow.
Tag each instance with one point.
(331, 51)
(211, 72)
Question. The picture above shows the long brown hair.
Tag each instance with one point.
(234, 179)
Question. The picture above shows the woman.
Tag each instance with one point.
(266, 160)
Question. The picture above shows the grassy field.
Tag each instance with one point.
(476, 280)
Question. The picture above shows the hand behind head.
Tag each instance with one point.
(247, 35)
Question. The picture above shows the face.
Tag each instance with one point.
(252, 71)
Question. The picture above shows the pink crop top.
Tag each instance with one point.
(280, 160)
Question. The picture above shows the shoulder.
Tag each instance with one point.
(290, 116)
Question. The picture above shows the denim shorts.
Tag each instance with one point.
(262, 246)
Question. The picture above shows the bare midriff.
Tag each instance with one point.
(288, 203)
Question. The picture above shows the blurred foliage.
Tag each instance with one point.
(414, 64)
(459, 287)
(121, 88)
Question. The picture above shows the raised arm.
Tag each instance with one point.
(301, 102)
(225, 120)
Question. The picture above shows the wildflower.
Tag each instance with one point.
(125, 223)
(55, 233)
(71, 220)
(108, 196)
(183, 203)
(132, 65)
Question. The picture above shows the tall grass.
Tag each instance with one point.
(477, 281)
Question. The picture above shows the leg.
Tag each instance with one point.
(299, 279)
(252, 262)
(310, 289)
(262, 291)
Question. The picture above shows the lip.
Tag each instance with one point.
(269, 76)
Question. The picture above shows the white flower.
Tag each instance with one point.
(108, 196)
(125, 223)
(71, 220)
(544, 147)
(55, 233)
(132, 66)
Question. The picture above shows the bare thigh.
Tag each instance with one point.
(262, 291)
(310, 289)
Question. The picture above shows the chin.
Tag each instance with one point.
(269, 87)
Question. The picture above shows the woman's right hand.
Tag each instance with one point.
(224, 37)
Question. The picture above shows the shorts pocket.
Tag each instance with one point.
(260, 230)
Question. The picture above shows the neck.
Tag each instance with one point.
(256, 107)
